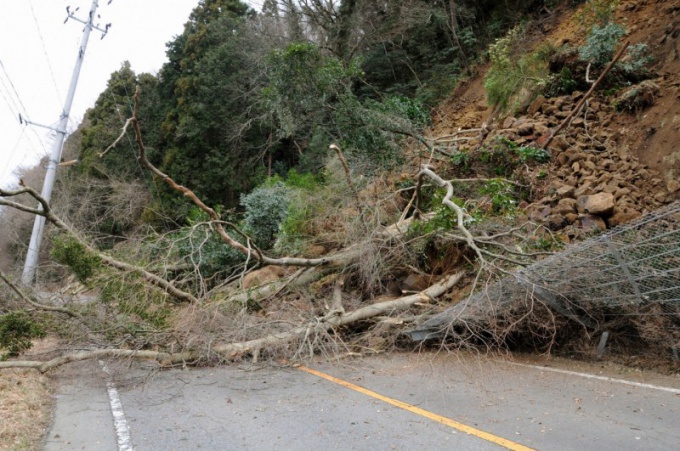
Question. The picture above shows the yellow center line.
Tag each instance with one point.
(422, 412)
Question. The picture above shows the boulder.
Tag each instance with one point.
(672, 186)
(601, 204)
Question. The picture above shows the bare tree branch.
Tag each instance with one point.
(31, 302)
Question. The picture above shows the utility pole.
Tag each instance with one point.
(28, 276)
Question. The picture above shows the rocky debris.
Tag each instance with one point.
(596, 182)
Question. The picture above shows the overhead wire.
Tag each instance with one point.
(19, 107)
(47, 58)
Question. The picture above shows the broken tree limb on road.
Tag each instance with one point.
(319, 325)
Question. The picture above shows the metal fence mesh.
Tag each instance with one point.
(630, 270)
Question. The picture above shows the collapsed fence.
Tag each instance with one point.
(624, 283)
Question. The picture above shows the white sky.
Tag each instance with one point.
(37, 71)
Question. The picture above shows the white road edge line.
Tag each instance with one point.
(593, 376)
(119, 421)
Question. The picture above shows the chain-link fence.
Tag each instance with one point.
(631, 271)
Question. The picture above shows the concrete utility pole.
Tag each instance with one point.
(31, 264)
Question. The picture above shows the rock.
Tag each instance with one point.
(560, 142)
(541, 129)
(592, 223)
(601, 204)
(539, 213)
(536, 105)
(565, 191)
(263, 276)
(550, 110)
(508, 122)
(672, 186)
(555, 222)
(525, 129)
(571, 218)
(660, 197)
(565, 208)
(569, 201)
(622, 216)
(562, 159)
(621, 192)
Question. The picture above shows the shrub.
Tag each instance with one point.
(17, 329)
(265, 209)
(601, 44)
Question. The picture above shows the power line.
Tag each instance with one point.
(13, 87)
(42, 41)
(19, 108)
(11, 103)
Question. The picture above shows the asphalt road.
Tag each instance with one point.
(393, 402)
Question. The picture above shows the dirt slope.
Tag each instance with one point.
(631, 159)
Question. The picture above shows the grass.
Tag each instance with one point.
(26, 404)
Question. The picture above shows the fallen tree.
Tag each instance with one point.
(335, 319)
(339, 266)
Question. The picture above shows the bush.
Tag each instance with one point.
(265, 209)
(17, 329)
(601, 44)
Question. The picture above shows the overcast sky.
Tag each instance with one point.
(38, 52)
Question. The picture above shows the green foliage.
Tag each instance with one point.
(294, 230)
(17, 329)
(68, 251)
(135, 300)
(596, 13)
(198, 245)
(266, 207)
(304, 180)
(601, 44)
(515, 76)
(530, 153)
(637, 59)
(461, 159)
(502, 195)
(561, 83)
(526, 153)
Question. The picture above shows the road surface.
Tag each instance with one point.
(390, 402)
